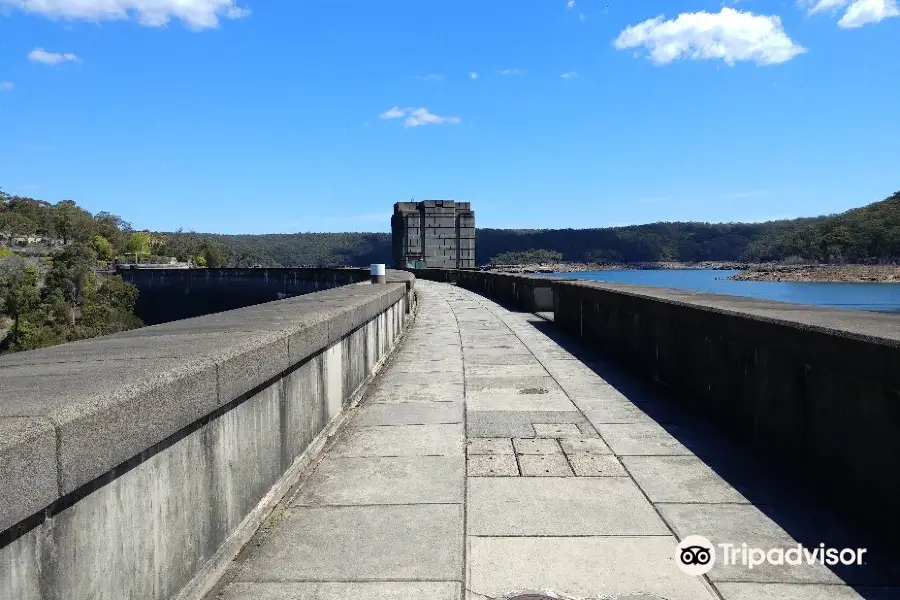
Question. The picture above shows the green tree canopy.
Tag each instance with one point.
(103, 248)
(73, 223)
(72, 272)
(19, 295)
(532, 256)
(213, 254)
(139, 244)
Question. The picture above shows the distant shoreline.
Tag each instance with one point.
(811, 273)
(821, 273)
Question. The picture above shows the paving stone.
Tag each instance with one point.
(384, 480)
(556, 430)
(583, 567)
(582, 445)
(512, 383)
(400, 440)
(544, 465)
(361, 543)
(613, 412)
(527, 370)
(742, 524)
(332, 590)
(536, 446)
(679, 479)
(489, 446)
(520, 424)
(499, 357)
(641, 439)
(395, 379)
(492, 465)
(559, 506)
(409, 413)
(421, 393)
(596, 465)
(525, 399)
(787, 591)
(446, 365)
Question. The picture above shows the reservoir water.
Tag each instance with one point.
(879, 297)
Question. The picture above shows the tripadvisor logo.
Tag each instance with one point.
(696, 555)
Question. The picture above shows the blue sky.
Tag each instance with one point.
(318, 115)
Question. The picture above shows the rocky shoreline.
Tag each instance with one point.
(748, 271)
(821, 273)
(638, 266)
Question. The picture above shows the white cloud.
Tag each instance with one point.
(511, 72)
(570, 4)
(196, 14)
(473, 75)
(39, 55)
(730, 35)
(393, 113)
(5, 86)
(414, 117)
(858, 12)
(569, 75)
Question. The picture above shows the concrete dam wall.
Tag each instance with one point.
(814, 389)
(172, 294)
(135, 464)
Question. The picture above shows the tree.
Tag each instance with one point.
(532, 256)
(213, 254)
(72, 223)
(103, 248)
(139, 244)
(108, 308)
(114, 229)
(72, 274)
(20, 294)
(14, 224)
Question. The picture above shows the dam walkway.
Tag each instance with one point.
(491, 458)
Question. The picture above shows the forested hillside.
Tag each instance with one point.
(51, 287)
(297, 249)
(867, 234)
(862, 235)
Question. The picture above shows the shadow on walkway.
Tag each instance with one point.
(772, 487)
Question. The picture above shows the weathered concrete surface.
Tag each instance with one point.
(122, 478)
(624, 486)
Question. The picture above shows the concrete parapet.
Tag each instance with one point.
(128, 460)
(204, 291)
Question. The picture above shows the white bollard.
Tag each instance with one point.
(377, 272)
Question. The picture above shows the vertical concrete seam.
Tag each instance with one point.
(58, 458)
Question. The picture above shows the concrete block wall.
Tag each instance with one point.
(129, 461)
(816, 390)
(439, 233)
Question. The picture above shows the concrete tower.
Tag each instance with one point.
(433, 233)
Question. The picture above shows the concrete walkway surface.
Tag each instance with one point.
(492, 458)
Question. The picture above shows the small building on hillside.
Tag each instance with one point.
(433, 233)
